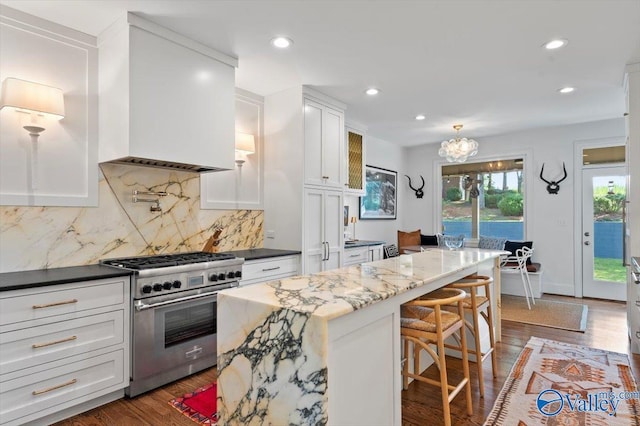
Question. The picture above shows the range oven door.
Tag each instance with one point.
(172, 336)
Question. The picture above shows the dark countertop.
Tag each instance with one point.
(46, 277)
(362, 243)
(262, 253)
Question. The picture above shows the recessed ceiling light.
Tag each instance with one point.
(555, 44)
(281, 42)
(372, 91)
(420, 117)
(566, 90)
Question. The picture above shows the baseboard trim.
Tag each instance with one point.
(559, 289)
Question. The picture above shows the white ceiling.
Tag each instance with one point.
(475, 62)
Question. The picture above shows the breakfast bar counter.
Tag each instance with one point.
(325, 348)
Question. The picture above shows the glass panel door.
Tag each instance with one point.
(604, 194)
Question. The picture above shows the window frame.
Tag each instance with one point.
(528, 176)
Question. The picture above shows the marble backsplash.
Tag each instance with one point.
(50, 237)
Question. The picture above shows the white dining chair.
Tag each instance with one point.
(519, 262)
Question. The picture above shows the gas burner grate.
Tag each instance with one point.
(166, 260)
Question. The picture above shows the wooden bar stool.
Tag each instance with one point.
(476, 303)
(425, 323)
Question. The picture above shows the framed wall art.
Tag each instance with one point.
(381, 196)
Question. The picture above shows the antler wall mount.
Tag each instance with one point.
(553, 186)
(419, 192)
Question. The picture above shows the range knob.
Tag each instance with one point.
(157, 287)
(213, 277)
(147, 288)
(230, 275)
(177, 284)
(221, 276)
(167, 285)
(238, 274)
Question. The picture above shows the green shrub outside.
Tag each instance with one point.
(608, 204)
(491, 200)
(454, 194)
(511, 204)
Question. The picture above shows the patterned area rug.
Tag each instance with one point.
(554, 383)
(199, 405)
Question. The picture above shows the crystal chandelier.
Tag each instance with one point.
(459, 149)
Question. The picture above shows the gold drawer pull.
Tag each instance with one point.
(61, 385)
(55, 342)
(48, 305)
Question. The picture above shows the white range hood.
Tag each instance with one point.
(165, 100)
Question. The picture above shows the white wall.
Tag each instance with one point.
(387, 156)
(549, 218)
(62, 168)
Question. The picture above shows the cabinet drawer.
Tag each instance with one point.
(264, 269)
(81, 381)
(37, 345)
(355, 256)
(47, 302)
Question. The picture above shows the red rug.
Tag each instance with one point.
(199, 405)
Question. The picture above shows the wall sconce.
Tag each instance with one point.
(35, 99)
(245, 145)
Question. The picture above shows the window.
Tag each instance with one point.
(484, 199)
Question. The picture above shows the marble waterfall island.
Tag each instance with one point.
(325, 348)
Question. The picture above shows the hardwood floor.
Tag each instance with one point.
(606, 329)
(421, 403)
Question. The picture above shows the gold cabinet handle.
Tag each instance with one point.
(48, 305)
(61, 385)
(55, 342)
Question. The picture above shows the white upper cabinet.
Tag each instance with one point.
(324, 143)
(165, 100)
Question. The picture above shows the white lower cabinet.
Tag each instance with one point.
(62, 347)
(323, 228)
(358, 255)
(375, 252)
(272, 268)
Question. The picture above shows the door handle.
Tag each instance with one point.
(328, 251)
(624, 233)
(586, 234)
(586, 243)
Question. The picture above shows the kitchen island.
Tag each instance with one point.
(325, 348)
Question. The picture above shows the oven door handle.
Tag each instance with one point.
(140, 306)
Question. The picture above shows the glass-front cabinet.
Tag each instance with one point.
(355, 159)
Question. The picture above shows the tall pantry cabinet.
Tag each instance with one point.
(305, 176)
(632, 89)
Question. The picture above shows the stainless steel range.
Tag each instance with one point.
(173, 331)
